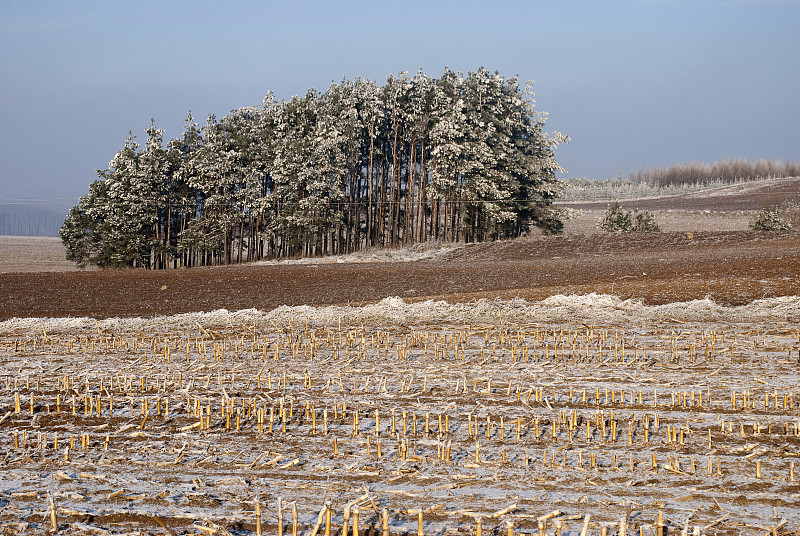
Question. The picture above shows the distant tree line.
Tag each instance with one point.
(29, 220)
(458, 158)
(676, 179)
(726, 171)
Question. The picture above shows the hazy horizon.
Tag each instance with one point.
(633, 83)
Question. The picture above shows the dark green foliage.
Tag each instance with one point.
(76, 234)
(616, 219)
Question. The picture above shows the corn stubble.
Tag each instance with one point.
(350, 428)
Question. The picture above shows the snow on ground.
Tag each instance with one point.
(507, 410)
(571, 309)
(418, 252)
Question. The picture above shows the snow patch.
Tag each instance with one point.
(559, 309)
(418, 252)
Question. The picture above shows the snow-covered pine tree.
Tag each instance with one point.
(260, 180)
(114, 218)
(82, 232)
(448, 136)
(153, 191)
(182, 154)
(360, 165)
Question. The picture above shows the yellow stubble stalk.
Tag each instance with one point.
(328, 512)
(660, 527)
(53, 518)
(294, 519)
(280, 516)
(313, 421)
(258, 515)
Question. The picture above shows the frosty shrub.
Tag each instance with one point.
(616, 219)
(771, 219)
(569, 213)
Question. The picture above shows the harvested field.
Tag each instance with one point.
(584, 384)
(604, 411)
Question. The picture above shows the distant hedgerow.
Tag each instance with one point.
(730, 171)
(617, 219)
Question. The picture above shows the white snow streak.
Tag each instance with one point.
(593, 309)
(418, 252)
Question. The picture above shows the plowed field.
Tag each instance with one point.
(730, 267)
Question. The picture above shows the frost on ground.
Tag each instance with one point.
(572, 406)
(589, 308)
(423, 251)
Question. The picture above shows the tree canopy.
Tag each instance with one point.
(458, 158)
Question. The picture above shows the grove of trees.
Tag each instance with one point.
(724, 171)
(458, 158)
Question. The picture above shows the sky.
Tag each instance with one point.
(634, 83)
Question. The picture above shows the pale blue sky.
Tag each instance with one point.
(635, 83)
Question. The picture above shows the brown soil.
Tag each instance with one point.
(731, 267)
